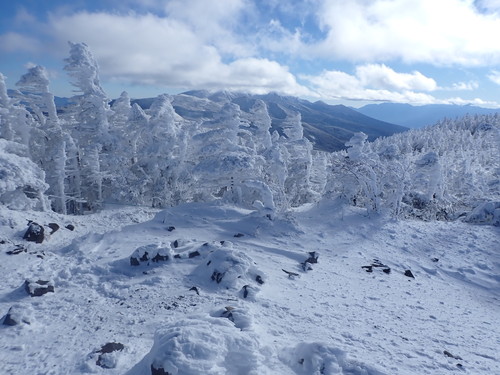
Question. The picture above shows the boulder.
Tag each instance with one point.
(39, 287)
(70, 227)
(34, 233)
(54, 227)
(408, 273)
(194, 254)
(17, 314)
(313, 257)
(107, 356)
(158, 371)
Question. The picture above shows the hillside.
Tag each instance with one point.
(328, 127)
(420, 116)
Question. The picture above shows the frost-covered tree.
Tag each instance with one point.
(16, 123)
(91, 121)
(22, 183)
(48, 148)
(220, 160)
(297, 155)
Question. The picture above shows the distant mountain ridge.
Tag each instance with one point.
(420, 116)
(328, 127)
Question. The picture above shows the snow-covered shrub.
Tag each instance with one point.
(21, 181)
(485, 213)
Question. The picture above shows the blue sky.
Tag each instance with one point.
(351, 52)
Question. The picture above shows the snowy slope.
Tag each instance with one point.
(334, 319)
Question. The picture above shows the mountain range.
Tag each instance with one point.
(328, 127)
(419, 116)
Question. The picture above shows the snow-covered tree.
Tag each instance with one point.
(91, 127)
(48, 148)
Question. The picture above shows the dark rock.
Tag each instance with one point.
(408, 273)
(228, 313)
(159, 258)
(386, 270)
(170, 229)
(237, 235)
(448, 354)
(368, 268)
(313, 257)
(149, 252)
(378, 263)
(290, 274)
(34, 233)
(9, 319)
(158, 371)
(108, 348)
(258, 278)
(18, 250)
(70, 227)
(435, 260)
(177, 256)
(194, 254)
(134, 261)
(54, 227)
(15, 316)
(195, 289)
(175, 244)
(38, 288)
(306, 266)
(245, 291)
(217, 276)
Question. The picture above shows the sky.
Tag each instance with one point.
(349, 52)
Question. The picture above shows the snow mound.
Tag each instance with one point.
(229, 269)
(150, 253)
(486, 213)
(320, 359)
(201, 345)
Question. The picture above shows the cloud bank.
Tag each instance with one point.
(257, 46)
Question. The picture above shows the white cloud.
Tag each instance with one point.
(13, 42)
(379, 76)
(494, 76)
(437, 32)
(152, 50)
(372, 82)
(462, 86)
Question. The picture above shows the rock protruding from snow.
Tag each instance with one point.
(17, 314)
(39, 287)
(34, 233)
(150, 253)
(201, 345)
(229, 269)
(108, 354)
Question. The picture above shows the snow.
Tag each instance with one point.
(334, 319)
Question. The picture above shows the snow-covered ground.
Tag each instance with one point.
(246, 315)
